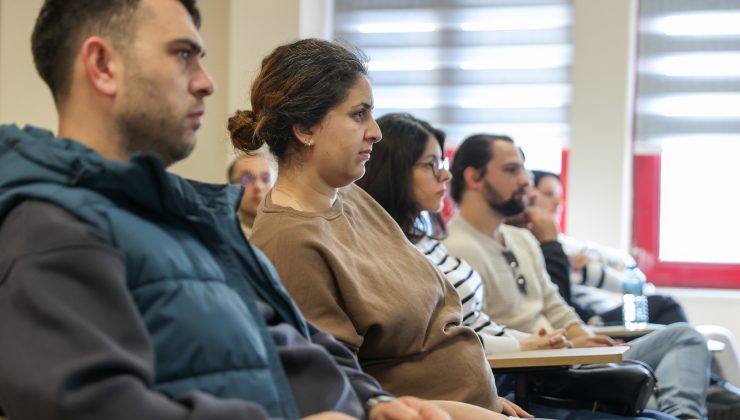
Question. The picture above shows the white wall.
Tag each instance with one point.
(237, 33)
(600, 162)
(24, 98)
(709, 306)
(316, 17)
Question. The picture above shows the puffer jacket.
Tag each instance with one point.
(187, 270)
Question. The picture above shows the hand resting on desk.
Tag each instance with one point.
(544, 340)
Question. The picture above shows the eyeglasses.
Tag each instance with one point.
(248, 180)
(437, 166)
(521, 281)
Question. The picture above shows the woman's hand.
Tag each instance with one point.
(544, 340)
(408, 408)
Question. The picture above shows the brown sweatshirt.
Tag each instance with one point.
(355, 275)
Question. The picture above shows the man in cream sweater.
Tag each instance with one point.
(489, 183)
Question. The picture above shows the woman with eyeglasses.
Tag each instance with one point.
(340, 255)
(408, 176)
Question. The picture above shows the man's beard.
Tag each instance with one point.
(148, 124)
(146, 132)
(507, 208)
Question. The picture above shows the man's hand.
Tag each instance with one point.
(593, 341)
(544, 340)
(513, 410)
(580, 337)
(407, 408)
(541, 224)
(578, 261)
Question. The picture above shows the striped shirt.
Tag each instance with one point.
(496, 338)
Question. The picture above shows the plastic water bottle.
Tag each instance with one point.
(635, 305)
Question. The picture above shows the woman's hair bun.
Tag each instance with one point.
(241, 128)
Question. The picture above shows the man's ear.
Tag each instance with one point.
(472, 178)
(303, 134)
(101, 70)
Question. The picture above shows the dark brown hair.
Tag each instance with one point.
(540, 175)
(389, 173)
(63, 25)
(475, 151)
(297, 85)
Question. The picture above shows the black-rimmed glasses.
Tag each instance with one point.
(437, 166)
(521, 281)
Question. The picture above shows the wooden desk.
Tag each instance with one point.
(557, 357)
(621, 331)
(522, 363)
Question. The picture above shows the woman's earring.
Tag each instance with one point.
(308, 143)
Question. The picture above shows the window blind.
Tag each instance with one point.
(688, 114)
(470, 66)
(688, 72)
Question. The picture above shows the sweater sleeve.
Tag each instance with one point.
(74, 345)
(364, 385)
(558, 267)
(495, 338)
(598, 272)
(555, 309)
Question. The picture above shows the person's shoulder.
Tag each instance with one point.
(280, 228)
(428, 245)
(357, 204)
(455, 225)
(523, 241)
(460, 241)
(273, 217)
(355, 195)
(520, 235)
(36, 226)
(459, 231)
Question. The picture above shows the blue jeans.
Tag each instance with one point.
(679, 356)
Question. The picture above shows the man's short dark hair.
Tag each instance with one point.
(475, 151)
(62, 26)
(540, 175)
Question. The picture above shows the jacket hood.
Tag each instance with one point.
(35, 156)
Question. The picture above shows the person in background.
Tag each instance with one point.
(256, 174)
(127, 292)
(599, 273)
(597, 283)
(339, 254)
(489, 184)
